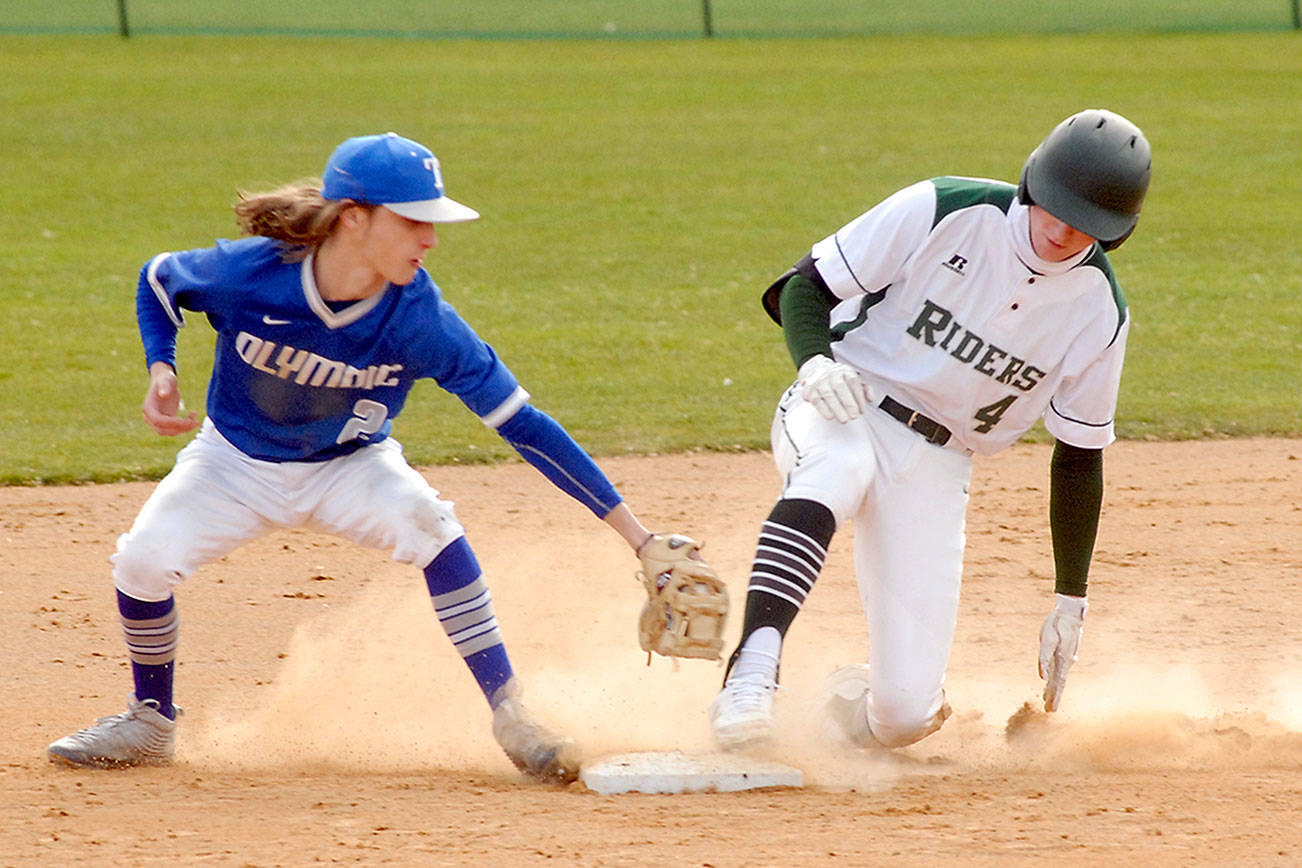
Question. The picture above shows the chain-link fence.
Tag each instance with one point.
(543, 19)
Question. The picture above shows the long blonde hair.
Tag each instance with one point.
(296, 214)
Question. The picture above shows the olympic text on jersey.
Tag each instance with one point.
(309, 368)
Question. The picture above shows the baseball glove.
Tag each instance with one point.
(687, 603)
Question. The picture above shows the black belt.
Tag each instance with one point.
(930, 429)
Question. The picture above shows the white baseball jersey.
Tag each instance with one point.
(947, 309)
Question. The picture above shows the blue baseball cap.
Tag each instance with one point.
(395, 172)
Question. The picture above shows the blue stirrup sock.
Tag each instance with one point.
(465, 610)
(151, 630)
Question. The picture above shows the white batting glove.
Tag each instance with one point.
(1059, 641)
(834, 388)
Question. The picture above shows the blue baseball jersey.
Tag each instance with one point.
(298, 379)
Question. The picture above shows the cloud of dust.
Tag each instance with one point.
(1285, 695)
(1140, 717)
(374, 685)
(1148, 718)
(1153, 717)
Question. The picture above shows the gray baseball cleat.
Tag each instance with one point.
(139, 736)
(741, 714)
(535, 749)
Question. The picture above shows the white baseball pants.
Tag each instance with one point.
(216, 498)
(908, 501)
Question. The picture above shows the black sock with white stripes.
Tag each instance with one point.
(788, 558)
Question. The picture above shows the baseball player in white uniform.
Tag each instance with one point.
(325, 318)
(942, 323)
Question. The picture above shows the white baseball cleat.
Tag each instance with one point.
(742, 714)
(535, 749)
(847, 703)
(139, 736)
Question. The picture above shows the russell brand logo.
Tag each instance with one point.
(956, 264)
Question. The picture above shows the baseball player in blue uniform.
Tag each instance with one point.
(942, 323)
(325, 318)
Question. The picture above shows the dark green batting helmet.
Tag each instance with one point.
(1091, 173)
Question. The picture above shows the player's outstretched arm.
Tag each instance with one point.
(162, 405)
(686, 603)
(627, 525)
(1075, 499)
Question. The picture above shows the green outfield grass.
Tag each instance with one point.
(636, 197)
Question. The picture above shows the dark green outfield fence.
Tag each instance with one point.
(542, 19)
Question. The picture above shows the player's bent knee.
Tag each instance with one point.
(838, 481)
(434, 526)
(904, 725)
(856, 476)
(141, 569)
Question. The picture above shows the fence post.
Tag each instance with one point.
(123, 27)
(1297, 14)
(708, 18)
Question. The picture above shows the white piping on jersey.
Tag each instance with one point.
(592, 497)
(348, 315)
(498, 416)
(1063, 416)
(848, 269)
(151, 274)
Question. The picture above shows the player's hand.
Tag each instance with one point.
(162, 406)
(834, 388)
(1059, 641)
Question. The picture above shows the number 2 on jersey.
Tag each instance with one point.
(368, 417)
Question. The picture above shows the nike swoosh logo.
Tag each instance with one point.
(270, 320)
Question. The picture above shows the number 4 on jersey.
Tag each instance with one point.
(990, 414)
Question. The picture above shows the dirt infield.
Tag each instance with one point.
(328, 720)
